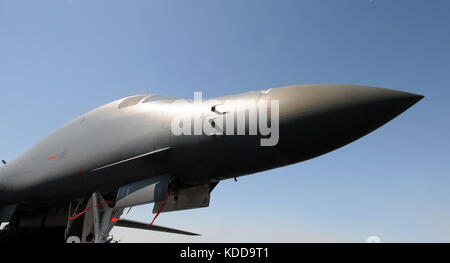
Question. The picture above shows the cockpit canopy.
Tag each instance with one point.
(149, 98)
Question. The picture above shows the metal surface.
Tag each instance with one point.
(131, 139)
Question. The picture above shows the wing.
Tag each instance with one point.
(139, 225)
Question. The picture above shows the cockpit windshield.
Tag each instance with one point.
(158, 98)
(130, 101)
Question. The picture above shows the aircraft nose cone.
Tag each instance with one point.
(316, 119)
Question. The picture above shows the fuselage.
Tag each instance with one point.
(313, 120)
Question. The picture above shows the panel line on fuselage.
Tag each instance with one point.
(132, 158)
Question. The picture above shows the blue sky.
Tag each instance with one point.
(60, 59)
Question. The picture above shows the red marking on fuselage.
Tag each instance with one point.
(52, 157)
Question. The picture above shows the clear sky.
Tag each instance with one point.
(60, 59)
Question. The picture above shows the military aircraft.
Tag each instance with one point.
(75, 184)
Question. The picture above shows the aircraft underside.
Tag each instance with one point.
(87, 220)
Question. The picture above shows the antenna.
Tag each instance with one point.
(3, 161)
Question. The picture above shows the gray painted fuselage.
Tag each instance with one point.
(314, 119)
